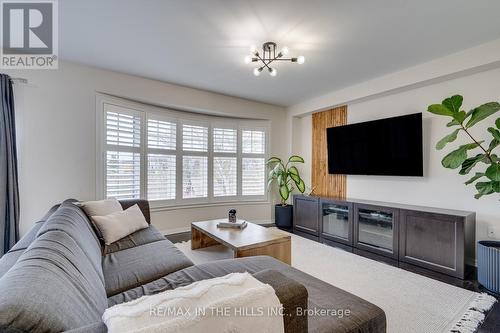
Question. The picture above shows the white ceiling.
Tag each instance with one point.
(202, 43)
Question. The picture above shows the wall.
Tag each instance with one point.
(473, 60)
(57, 136)
(302, 145)
(439, 187)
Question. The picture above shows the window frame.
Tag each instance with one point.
(145, 112)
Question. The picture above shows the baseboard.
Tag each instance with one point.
(175, 230)
(471, 262)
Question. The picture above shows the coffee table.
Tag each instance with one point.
(254, 240)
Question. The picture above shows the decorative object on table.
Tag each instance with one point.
(238, 224)
(270, 53)
(285, 177)
(232, 215)
(488, 265)
(463, 121)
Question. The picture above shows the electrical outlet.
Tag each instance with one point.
(493, 232)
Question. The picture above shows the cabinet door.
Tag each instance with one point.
(433, 241)
(306, 214)
(336, 221)
(376, 229)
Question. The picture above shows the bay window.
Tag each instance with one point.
(175, 158)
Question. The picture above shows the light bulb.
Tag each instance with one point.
(273, 72)
(257, 71)
(301, 60)
(285, 50)
(248, 59)
(253, 49)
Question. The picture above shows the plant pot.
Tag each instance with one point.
(488, 265)
(283, 216)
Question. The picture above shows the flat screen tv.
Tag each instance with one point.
(387, 147)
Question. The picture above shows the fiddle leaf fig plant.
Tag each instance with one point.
(488, 180)
(285, 176)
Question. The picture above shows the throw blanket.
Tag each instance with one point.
(235, 303)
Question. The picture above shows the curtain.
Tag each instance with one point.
(9, 191)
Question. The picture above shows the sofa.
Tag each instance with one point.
(61, 277)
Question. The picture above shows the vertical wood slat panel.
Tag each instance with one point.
(323, 183)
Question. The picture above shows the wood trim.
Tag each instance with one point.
(200, 240)
(281, 251)
(323, 183)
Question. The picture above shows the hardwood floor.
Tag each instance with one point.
(491, 323)
(180, 237)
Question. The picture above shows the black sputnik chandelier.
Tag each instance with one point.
(269, 55)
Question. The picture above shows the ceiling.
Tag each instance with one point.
(202, 43)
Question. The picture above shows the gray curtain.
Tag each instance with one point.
(9, 191)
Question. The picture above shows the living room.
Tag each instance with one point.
(284, 166)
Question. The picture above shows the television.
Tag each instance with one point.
(386, 147)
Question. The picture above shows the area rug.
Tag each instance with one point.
(413, 303)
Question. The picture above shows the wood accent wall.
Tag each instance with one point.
(323, 183)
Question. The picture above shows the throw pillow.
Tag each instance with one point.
(120, 224)
(101, 207)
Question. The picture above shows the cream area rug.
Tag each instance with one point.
(412, 303)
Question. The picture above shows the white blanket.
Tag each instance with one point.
(235, 303)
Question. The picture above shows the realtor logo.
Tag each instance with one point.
(29, 34)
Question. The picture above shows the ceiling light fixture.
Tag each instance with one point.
(269, 55)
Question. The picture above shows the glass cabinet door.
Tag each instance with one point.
(376, 228)
(336, 221)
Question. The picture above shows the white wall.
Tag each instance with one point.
(473, 60)
(302, 145)
(439, 187)
(57, 136)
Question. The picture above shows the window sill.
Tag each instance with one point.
(161, 208)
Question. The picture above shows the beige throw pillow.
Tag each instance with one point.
(120, 224)
(101, 207)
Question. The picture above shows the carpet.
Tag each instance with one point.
(413, 303)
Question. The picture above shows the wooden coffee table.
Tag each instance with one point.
(254, 240)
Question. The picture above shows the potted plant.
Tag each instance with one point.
(487, 181)
(287, 179)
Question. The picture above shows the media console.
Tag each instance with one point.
(435, 239)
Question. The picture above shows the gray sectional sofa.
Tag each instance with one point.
(60, 277)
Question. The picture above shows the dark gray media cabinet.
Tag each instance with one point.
(406, 236)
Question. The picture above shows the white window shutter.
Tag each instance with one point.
(253, 176)
(161, 134)
(225, 140)
(122, 158)
(225, 181)
(123, 175)
(161, 177)
(194, 138)
(123, 129)
(253, 142)
(194, 177)
(179, 156)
